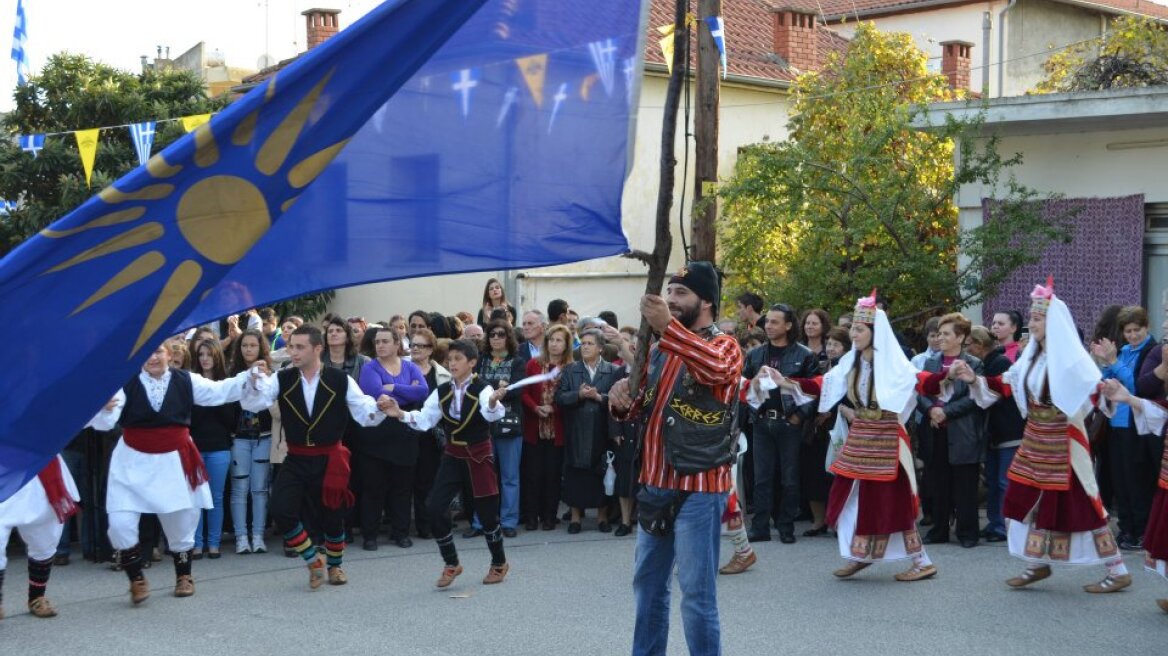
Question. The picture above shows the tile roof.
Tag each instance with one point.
(748, 25)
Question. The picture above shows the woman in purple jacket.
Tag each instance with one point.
(386, 453)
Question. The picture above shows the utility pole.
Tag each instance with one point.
(702, 233)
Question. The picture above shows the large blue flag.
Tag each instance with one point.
(356, 163)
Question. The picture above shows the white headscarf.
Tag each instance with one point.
(1072, 374)
(895, 377)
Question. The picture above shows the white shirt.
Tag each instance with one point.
(260, 396)
(205, 393)
(431, 412)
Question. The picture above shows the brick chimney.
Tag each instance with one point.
(322, 24)
(955, 62)
(795, 38)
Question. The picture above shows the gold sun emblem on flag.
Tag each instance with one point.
(220, 214)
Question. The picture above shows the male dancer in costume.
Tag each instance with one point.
(463, 409)
(39, 511)
(1052, 499)
(315, 405)
(155, 467)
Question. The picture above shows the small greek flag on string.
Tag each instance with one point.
(20, 46)
(142, 135)
(32, 143)
(716, 31)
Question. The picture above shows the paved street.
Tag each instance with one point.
(571, 595)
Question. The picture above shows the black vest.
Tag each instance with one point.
(176, 404)
(330, 412)
(470, 427)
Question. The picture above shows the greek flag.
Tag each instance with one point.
(32, 143)
(716, 31)
(20, 45)
(142, 134)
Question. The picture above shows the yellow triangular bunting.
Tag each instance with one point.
(534, 69)
(189, 123)
(87, 146)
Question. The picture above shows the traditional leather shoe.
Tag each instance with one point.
(622, 530)
(449, 573)
(316, 573)
(739, 564)
(917, 573)
(139, 590)
(531, 525)
(369, 544)
(995, 537)
(496, 574)
(336, 576)
(509, 532)
(1163, 604)
(850, 569)
(1029, 576)
(404, 542)
(184, 586)
(759, 537)
(574, 528)
(41, 607)
(1109, 584)
(787, 538)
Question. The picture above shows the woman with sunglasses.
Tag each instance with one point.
(501, 364)
(422, 342)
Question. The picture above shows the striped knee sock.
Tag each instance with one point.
(38, 577)
(741, 543)
(297, 540)
(334, 549)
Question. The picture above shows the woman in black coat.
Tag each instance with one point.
(583, 397)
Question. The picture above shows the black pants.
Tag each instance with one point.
(454, 478)
(543, 468)
(429, 454)
(301, 477)
(776, 452)
(954, 491)
(384, 487)
(1118, 444)
(1141, 456)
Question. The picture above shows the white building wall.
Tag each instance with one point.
(749, 114)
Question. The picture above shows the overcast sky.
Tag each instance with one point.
(118, 32)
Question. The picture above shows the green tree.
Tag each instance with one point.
(858, 197)
(74, 92)
(1132, 53)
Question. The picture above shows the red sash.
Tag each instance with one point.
(164, 439)
(53, 480)
(334, 491)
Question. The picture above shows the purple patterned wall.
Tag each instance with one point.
(1101, 266)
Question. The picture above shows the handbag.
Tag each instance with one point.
(508, 426)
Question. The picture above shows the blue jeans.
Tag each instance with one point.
(216, 463)
(508, 453)
(693, 550)
(250, 465)
(996, 465)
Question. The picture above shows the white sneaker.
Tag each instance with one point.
(258, 545)
(242, 546)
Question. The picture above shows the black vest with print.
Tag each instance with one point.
(469, 427)
(176, 408)
(330, 412)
